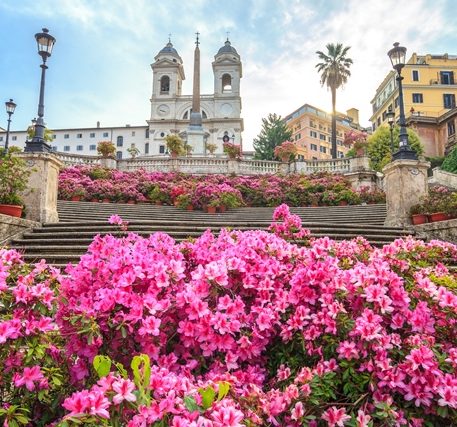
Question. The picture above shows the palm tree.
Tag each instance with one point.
(334, 70)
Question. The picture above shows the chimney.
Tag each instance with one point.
(98, 125)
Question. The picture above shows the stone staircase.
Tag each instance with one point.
(64, 242)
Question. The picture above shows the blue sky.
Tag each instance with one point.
(100, 67)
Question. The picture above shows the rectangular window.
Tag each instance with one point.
(66, 148)
(14, 138)
(314, 147)
(339, 142)
(162, 149)
(322, 137)
(418, 98)
(54, 148)
(340, 154)
(54, 136)
(312, 124)
(79, 148)
(313, 133)
(66, 136)
(384, 115)
(451, 128)
(396, 102)
(92, 135)
(323, 149)
(449, 100)
(146, 146)
(133, 133)
(105, 134)
(119, 155)
(92, 147)
(79, 135)
(146, 134)
(1, 138)
(446, 77)
(415, 75)
(379, 121)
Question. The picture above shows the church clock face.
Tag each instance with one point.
(163, 110)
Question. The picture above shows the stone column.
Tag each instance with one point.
(108, 163)
(406, 183)
(284, 168)
(40, 197)
(233, 166)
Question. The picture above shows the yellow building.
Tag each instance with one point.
(429, 93)
(312, 131)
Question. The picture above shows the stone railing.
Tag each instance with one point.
(77, 159)
(219, 165)
(441, 177)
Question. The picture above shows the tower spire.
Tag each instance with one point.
(195, 116)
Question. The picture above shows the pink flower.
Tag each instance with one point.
(124, 390)
(227, 416)
(335, 417)
(298, 411)
(362, 419)
(29, 377)
(115, 219)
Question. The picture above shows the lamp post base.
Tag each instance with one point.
(37, 146)
(406, 154)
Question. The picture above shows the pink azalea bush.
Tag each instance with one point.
(239, 329)
(262, 190)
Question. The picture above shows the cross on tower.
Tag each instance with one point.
(197, 42)
(169, 38)
(228, 33)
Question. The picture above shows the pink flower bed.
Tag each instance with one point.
(239, 329)
(95, 183)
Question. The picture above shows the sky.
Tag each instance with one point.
(100, 67)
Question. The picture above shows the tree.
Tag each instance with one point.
(378, 149)
(334, 70)
(450, 162)
(48, 133)
(274, 132)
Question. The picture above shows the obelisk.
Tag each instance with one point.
(195, 133)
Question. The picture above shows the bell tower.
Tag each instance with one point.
(227, 71)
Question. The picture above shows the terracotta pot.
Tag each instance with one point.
(314, 205)
(93, 200)
(131, 202)
(419, 219)
(105, 200)
(437, 216)
(190, 208)
(158, 203)
(11, 210)
(211, 209)
(75, 198)
(343, 203)
(222, 208)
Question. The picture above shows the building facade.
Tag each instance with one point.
(429, 93)
(170, 111)
(312, 131)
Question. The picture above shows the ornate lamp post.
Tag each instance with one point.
(397, 57)
(391, 120)
(10, 107)
(45, 43)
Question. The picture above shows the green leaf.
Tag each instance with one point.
(120, 367)
(191, 404)
(208, 394)
(224, 388)
(142, 379)
(102, 365)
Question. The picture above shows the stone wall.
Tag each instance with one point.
(443, 178)
(442, 230)
(13, 227)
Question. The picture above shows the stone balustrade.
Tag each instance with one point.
(221, 165)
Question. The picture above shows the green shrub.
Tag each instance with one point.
(450, 162)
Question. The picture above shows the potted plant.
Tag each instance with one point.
(188, 149)
(175, 145)
(233, 151)
(78, 193)
(286, 152)
(211, 148)
(212, 206)
(133, 151)
(14, 176)
(106, 149)
(418, 214)
(184, 201)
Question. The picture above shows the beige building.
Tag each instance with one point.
(429, 94)
(312, 131)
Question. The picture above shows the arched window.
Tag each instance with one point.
(120, 141)
(226, 83)
(165, 85)
(187, 112)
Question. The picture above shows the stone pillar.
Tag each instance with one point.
(363, 179)
(405, 184)
(233, 166)
(108, 163)
(40, 197)
(361, 163)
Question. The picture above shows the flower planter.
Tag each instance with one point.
(419, 219)
(211, 209)
(94, 200)
(189, 208)
(11, 210)
(105, 200)
(342, 203)
(131, 202)
(75, 198)
(222, 208)
(437, 216)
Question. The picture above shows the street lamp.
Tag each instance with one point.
(10, 107)
(397, 57)
(391, 120)
(45, 43)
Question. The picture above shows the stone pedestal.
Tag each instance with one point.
(405, 185)
(40, 197)
(363, 179)
(196, 139)
(284, 168)
(233, 166)
(360, 163)
(108, 163)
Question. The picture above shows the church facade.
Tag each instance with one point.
(171, 110)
